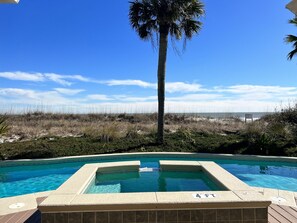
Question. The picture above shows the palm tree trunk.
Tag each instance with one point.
(163, 42)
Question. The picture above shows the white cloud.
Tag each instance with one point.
(99, 97)
(244, 89)
(11, 96)
(42, 77)
(138, 83)
(195, 97)
(228, 106)
(258, 96)
(221, 106)
(66, 80)
(23, 76)
(259, 92)
(126, 98)
(68, 91)
(58, 79)
(16, 92)
(120, 98)
(78, 77)
(172, 87)
(181, 96)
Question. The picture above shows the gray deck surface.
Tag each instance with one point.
(282, 214)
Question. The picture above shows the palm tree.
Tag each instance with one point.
(292, 39)
(162, 18)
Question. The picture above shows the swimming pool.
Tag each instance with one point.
(25, 179)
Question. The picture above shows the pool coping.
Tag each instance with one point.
(5, 202)
(69, 196)
(57, 160)
(29, 201)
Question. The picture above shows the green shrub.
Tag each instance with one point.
(258, 137)
(186, 135)
(291, 151)
(272, 134)
(286, 115)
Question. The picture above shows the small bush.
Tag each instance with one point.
(105, 133)
(109, 133)
(286, 115)
(132, 131)
(272, 134)
(186, 135)
(291, 151)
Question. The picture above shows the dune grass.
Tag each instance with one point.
(3, 125)
(47, 135)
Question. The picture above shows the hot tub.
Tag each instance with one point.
(233, 201)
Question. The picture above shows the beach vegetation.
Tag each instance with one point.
(56, 135)
(273, 134)
(3, 125)
(47, 147)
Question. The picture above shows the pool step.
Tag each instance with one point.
(148, 169)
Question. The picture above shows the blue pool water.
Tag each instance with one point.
(20, 180)
(152, 181)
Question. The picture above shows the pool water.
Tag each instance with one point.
(152, 181)
(20, 180)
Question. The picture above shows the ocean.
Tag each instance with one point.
(222, 115)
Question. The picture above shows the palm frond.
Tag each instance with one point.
(134, 13)
(173, 17)
(190, 27)
(174, 46)
(292, 54)
(290, 38)
(142, 18)
(293, 21)
(194, 9)
(175, 31)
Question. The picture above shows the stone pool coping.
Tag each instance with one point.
(68, 197)
(102, 157)
(30, 199)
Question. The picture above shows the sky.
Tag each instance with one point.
(82, 56)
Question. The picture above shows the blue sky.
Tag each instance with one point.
(83, 56)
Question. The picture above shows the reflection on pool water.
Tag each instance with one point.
(152, 181)
(20, 180)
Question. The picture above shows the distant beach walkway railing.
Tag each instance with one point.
(248, 117)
